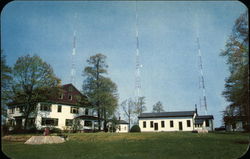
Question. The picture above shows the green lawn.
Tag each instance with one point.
(133, 145)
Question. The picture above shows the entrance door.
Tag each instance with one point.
(156, 126)
(180, 125)
(18, 123)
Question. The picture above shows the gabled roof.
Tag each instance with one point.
(122, 122)
(201, 118)
(167, 114)
(204, 117)
(67, 90)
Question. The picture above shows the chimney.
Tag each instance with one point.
(119, 118)
(196, 109)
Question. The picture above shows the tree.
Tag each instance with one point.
(5, 84)
(101, 91)
(140, 106)
(237, 52)
(128, 106)
(33, 81)
(158, 107)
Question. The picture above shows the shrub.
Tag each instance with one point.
(5, 129)
(135, 128)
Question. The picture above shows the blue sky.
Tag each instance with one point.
(168, 48)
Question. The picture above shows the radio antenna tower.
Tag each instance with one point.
(203, 101)
(138, 65)
(73, 65)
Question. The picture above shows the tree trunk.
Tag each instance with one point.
(105, 119)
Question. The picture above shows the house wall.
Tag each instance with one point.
(123, 128)
(203, 126)
(238, 126)
(167, 127)
(61, 116)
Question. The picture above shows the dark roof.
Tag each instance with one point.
(199, 119)
(122, 122)
(167, 114)
(67, 90)
(204, 117)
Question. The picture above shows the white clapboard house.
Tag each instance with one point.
(175, 121)
(57, 112)
(235, 123)
(122, 126)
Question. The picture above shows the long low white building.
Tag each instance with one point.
(175, 121)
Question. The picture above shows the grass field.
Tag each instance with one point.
(132, 145)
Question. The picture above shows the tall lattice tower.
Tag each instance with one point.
(73, 62)
(203, 98)
(138, 64)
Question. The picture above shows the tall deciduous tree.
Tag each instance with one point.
(237, 84)
(101, 91)
(128, 107)
(33, 81)
(5, 84)
(158, 107)
(140, 105)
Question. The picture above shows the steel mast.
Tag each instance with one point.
(73, 65)
(203, 100)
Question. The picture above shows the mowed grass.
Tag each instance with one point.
(134, 146)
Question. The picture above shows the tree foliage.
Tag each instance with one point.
(237, 84)
(101, 90)
(5, 84)
(128, 107)
(158, 107)
(140, 106)
(33, 81)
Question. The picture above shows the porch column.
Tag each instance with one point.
(93, 124)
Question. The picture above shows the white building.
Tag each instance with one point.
(57, 112)
(175, 121)
(235, 123)
(122, 127)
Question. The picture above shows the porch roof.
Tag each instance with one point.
(88, 117)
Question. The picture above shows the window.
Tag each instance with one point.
(31, 122)
(125, 127)
(87, 123)
(171, 123)
(70, 97)
(151, 124)
(188, 123)
(11, 122)
(74, 110)
(50, 121)
(61, 96)
(70, 89)
(234, 125)
(12, 110)
(144, 124)
(21, 109)
(162, 124)
(59, 108)
(45, 107)
(207, 122)
(86, 111)
(69, 122)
